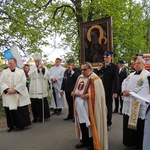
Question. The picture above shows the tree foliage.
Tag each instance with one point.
(130, 29)
(23, 22)
(30, 22)
(146, 19)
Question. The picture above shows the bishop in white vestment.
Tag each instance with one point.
(38, 90)
(56, 74)
(134, 109)
(15, 96)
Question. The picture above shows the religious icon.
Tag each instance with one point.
(81, 86)
(96, 38)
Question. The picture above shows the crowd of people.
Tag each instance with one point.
(88, 93)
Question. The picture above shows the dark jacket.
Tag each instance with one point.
(69, 80)
(122, 76)
(109, 76)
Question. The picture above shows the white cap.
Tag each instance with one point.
(140, 58)
(37, 56)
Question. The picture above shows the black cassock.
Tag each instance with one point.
(133, 137)
(68, 84)
(18, 118)
(37, 109)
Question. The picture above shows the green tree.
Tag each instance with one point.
(29, 23)
(128, 24)
(146, 19)
(23, 22)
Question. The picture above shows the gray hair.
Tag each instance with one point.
(141, 59)
(88, 64)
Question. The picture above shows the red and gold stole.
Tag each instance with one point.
(91, 103)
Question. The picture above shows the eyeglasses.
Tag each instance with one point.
(100, 65)
(84, 69)
(137, 63)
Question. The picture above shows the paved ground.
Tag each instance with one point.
(55, 134)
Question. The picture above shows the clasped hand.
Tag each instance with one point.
(126, 93)
(62, 93)
(11, 91)
(85, 96)
(53, 80)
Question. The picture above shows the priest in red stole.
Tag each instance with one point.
(90, 112)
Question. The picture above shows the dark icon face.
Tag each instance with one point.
(81, 86)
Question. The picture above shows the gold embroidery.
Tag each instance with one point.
(134, 115)
(139, 83)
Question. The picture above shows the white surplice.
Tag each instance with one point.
(16, 80)
(82, 109)
(58, 73)
(99, 111)
(38, 83)
(135, 83)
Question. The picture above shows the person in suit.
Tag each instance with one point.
(110, 81)
(70, 76)
(122, 75)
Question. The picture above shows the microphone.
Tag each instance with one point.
(148, 77)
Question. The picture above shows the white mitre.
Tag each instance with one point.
(140, 58)
(37, 56)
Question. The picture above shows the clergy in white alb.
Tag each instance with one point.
(15, 96)
(134, 109)
(38, 89)
(146, 138)
(55, 78)
(90, 113)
